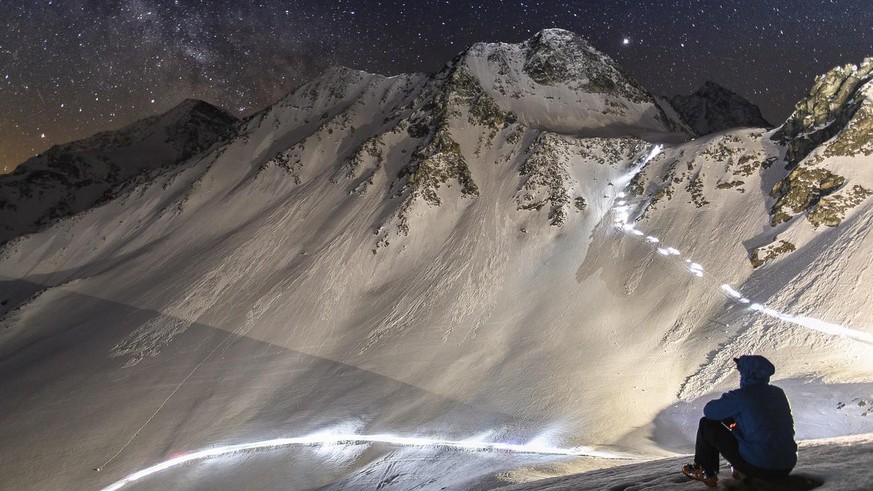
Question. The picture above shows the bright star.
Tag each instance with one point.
(625, 41)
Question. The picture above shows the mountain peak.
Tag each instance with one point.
(198, 105)
(560, 56)
(555, 35)
(71, 177)
(557, 81)
(713, 108)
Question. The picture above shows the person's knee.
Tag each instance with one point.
(707, 423)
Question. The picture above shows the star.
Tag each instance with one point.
(625, 41)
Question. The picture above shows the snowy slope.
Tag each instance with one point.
(839, 464)
(70, 178)
(424, 255)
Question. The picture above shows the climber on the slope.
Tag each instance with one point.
(751, 427)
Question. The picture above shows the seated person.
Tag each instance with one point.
(751, 427)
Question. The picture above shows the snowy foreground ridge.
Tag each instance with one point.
(520, 267)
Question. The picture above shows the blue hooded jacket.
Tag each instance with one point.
(765, 427)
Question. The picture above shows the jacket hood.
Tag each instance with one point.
(754, 369)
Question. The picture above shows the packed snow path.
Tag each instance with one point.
(624, 223)
(353, 439)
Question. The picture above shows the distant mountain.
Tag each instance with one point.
(713, 108)
(522, 247)
(69, 178)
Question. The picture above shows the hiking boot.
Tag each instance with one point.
(736, 474)
(694, 471)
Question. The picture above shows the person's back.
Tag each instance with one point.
(761, 443)
(765, 427)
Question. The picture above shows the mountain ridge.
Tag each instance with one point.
(73, 177)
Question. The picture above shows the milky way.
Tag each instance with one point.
(71, 68)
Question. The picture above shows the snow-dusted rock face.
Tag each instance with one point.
(70, 178)
(832, 102)
(827, 139)
(558, 82)
(713, 108)
(512, 249)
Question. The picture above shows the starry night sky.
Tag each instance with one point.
(70, 68)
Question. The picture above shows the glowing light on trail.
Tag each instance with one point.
(730, 292)
(694, 268)
(626, 179)
(324, 439)
(623, 223)
(815, 324)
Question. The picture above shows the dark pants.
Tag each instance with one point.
(713, 438)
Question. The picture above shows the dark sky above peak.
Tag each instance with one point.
(70, 68)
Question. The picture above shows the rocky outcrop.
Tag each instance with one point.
(713, 108)
(762, 255)
(439, 159)
(834, 120)
(801, 190)
(547, 181)
(831, 104)
(557, 56)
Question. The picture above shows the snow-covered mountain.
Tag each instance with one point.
(519, 248)
(713, 108)
(70, 178)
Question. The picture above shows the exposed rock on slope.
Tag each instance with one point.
(713, 108)
(832, 102)
(557, 81)
(69, 178)
(833, 125)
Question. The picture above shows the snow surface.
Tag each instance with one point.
(265, 289)
(841, 464)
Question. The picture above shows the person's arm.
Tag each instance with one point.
(726, 406)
